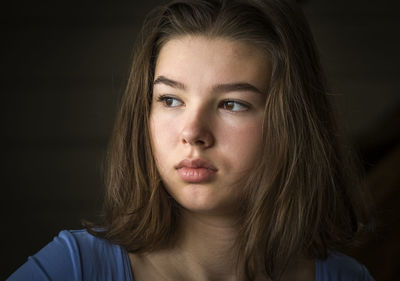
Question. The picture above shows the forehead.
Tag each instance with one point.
(203, 60)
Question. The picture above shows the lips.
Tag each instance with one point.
(196, 170)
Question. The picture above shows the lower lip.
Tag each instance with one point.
(195, 175)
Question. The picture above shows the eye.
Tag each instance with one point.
(234, 106)
(169, 101)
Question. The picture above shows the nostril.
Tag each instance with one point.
(193, 141)
(200, 142)
(202, 138)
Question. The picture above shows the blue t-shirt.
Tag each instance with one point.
(77, 255)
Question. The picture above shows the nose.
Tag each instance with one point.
(196, 130)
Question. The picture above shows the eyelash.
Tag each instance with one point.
(241, 104)
(163, 99)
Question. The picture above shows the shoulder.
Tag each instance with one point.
(76, 255)
(341, 267)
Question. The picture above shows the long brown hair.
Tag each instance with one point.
(302, 200)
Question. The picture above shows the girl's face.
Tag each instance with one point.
(206, 119)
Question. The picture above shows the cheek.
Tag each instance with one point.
(243, 144)
(162, 132)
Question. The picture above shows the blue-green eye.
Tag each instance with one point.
(169, 101)
(234, 106)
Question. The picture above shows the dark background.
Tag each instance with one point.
(63, 69)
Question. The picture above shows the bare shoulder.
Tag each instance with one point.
(147, 267)
(139, 266)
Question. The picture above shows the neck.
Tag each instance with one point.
(209, 242)
(204, 249)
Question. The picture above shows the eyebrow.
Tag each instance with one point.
(169, 82)
(220, 88)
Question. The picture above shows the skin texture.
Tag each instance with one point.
(200, 120)
(194, 117)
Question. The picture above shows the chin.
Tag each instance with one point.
(198, 203)
(207, 206)
(204, 199)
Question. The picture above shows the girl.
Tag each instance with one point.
(224, 162)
